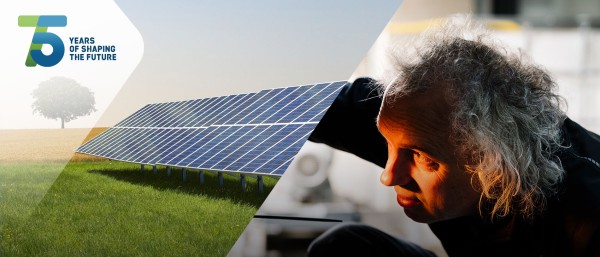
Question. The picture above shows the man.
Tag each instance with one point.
(477, 147)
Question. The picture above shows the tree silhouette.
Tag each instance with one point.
(62, 98)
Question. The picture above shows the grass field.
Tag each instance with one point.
(104, 208)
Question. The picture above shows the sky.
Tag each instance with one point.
(196, 49)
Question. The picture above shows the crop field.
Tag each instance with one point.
(96, 207)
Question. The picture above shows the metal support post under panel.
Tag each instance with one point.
(220, 176)
(259, 179)
(243, 181)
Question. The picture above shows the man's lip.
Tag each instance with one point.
(407, 202)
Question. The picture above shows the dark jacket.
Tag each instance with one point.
(567, 227)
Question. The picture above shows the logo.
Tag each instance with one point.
(41, 37)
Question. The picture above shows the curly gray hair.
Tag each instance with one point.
(506, 116)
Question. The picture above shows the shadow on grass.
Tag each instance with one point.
(231, 189)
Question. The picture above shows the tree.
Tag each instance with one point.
(64, 99)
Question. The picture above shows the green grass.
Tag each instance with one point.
(114, 209)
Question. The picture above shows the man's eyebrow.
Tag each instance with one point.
(427, 150)
(416, 147)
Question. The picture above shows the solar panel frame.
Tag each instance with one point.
(251, 133)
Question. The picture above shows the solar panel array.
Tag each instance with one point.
(250, 133)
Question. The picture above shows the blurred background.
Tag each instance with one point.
(326, 183)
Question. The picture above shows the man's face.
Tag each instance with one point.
(429, 179)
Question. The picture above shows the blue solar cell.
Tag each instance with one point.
(116, 145)
(206, 144)
(167, 150)
(241, 146)
(104, 140)
(281, 169)
(150, 139)
(147, 154)
(187, 112)
(234, 161)
(198, 113)
(137, 138)
(223, 108)
(149, 119)
(253, 103)
(325, 98)
(267, 141)
(284, 152)
(165, 112)
(311, 99)
(277, 95)
(173, 114)
(237, 108)
(125, 143)
(218, 106)
(232, 105)
(133, 144)
(282, 157)
(97, 140)
(209, 153)
(160, 115)
(191, 145)
(300, 97)
(288, 136)
(117, 134)
(285, 97)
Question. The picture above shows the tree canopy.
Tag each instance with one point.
(64, 99)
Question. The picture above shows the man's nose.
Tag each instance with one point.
(396, 172)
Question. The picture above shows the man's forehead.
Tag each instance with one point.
(430, 106)
(419, 121)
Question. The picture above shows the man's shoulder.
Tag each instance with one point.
(581, 161)
(579, 201)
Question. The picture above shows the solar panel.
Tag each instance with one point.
(258, 133)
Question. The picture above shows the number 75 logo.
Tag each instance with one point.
(41, 37)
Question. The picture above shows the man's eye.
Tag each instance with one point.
(425, 161)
